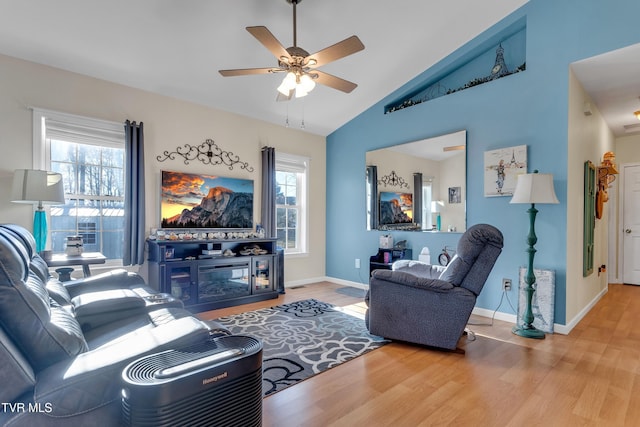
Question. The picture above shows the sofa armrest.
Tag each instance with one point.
(90, 380)
(115, 279)
(97, 308)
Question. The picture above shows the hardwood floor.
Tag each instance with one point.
(590, 377)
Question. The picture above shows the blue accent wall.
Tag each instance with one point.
(528, 108)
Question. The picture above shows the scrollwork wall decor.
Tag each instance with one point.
(393, 180)
(208, 153)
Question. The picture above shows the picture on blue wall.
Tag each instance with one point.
(205, 201)
(395, 208)
(501, 170)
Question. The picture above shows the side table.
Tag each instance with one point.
(85, 260)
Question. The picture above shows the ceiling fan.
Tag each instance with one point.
(300, 67)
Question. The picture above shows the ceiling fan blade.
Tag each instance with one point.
(248, 71)
(339, 50)
(269, 41)
(454, 148)
(334, 82)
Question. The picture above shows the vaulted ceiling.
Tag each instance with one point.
(176, 47)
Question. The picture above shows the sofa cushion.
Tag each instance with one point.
(43, 331)
(16, 375)
(58, 291)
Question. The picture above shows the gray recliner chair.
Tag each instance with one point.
(431, 305)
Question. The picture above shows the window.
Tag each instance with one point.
(291, 202)
(89, 154)
(427, 217)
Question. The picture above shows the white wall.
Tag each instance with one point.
(628, 149)
(168, 123)
(589, 138)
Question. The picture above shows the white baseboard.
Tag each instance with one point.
(565, 329)
(295, 283)
(505, 317)
(346, 283)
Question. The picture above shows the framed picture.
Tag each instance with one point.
(455, 195)
(501, 170)
(543, 301)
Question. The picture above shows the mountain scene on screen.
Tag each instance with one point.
(395, 208)
(220, 208)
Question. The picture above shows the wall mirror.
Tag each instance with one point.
(418, 186)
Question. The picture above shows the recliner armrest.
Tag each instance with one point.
(408, 279)
(101, 302)
(115, 279)
(418, 268)
(97, 308)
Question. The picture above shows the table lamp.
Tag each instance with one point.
(41, 188)
(436, 208)
(532, 188)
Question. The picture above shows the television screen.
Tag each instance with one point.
(396, 208)
(205, 201)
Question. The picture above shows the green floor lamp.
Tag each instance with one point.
(40, 188)
(532, 188)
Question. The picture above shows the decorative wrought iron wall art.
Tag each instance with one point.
(393, 180)
(208, 153)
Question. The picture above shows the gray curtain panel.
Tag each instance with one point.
(417, 198)
(268, 209)
(134, 211)
(372, 184)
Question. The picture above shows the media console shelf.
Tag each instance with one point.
(211, 274)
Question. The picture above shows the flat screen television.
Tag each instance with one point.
(205, 201)
(395, 208)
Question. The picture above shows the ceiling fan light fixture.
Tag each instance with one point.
(307, 83)
(288, 84)
(300, 92)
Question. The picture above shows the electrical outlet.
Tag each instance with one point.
(506, 284)
(357, 262)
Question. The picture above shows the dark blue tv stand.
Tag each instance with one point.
(207, 282)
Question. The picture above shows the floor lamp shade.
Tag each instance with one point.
(40, 188)
(532, 188)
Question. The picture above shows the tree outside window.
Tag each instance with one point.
(94, 194)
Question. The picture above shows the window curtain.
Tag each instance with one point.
(417, 197)
(134, 212)
(372, 196)
(268, 209)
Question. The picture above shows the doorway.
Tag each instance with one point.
(630, 223)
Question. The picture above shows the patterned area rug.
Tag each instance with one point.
(302, 339)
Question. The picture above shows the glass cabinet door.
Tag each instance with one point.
(180, 282)
(262, 274)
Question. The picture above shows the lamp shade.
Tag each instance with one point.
(534, 188)
(37, 187)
